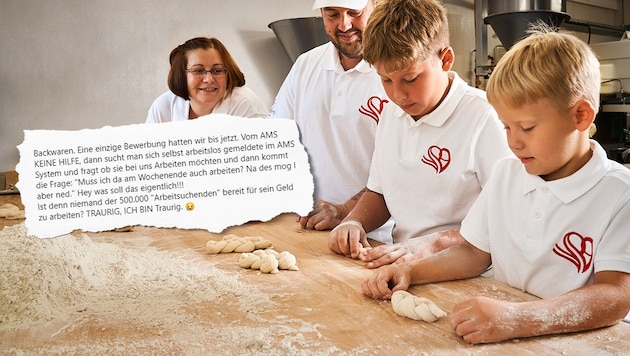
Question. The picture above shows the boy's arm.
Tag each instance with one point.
(369, 213)
(412, 249)
(457, 262)
(326, 215)
(604, 303)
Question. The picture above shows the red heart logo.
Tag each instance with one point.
(438, 158)
(373, 108)
(576, 249)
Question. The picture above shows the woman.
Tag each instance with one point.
(204, 79)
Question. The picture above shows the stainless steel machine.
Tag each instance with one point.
(613, 119)
(510, 20)
(298, 35)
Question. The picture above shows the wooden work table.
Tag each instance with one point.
(324, 293)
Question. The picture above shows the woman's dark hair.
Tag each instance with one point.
(177, 82)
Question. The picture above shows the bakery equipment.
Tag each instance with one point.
(298, 35)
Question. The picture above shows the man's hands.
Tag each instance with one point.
(324, 216)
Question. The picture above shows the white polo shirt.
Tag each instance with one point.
(337, 112)
(431, 170)
(548, 238)
(243, 102)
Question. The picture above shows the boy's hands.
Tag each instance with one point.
(483, 319)
(385, 281)
(347, 238)
(397, 253)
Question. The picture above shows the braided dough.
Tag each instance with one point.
(10, 211)
(268, 261)
(233, 243)
(417, 308)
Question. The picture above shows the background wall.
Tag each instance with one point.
(74, 64)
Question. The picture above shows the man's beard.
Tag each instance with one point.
(354, 50)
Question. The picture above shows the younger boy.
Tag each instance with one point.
(552, 222)
(435, 148)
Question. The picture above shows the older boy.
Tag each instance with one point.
(553, 221)
(435, 147)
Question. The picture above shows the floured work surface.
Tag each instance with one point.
(157, 291)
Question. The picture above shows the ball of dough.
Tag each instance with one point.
(417, 308)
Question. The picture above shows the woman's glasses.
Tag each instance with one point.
(201, 72)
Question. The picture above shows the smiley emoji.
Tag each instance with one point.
(190, 206)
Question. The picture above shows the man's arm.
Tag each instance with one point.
(325, 215)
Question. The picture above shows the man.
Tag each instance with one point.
(336, 99)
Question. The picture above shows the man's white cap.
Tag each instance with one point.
(348, 4)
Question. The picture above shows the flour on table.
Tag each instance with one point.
(43, 279)
(141, 288)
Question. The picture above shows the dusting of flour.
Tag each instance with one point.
(44, 279)
(73, 277)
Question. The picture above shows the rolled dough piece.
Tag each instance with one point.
(215, 246)
(417, 308)
(11, 211)
(257, 263)
(232, 243)
(16, 215)
(247, 259)
(269, 264)
(268, 260)
(231, 246)
(246, 246)
(286, 260)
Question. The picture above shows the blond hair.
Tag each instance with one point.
(546, 64)
(400, 33)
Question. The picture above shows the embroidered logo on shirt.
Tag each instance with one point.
(373, 108)
(576, 249)
(438, 158)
